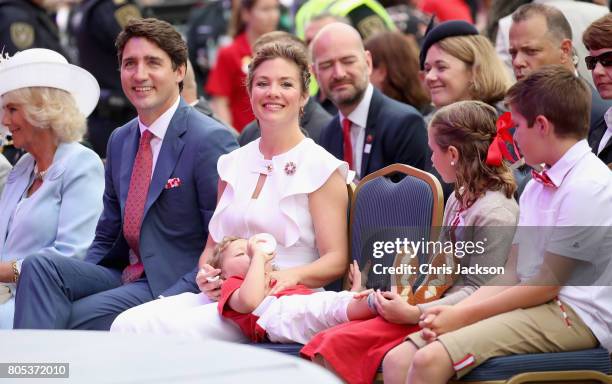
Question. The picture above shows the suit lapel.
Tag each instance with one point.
(596, 135)
(130, 148)
(608, 147)
(172, 146)
(16, 184)
(370, 131)
(336, 144)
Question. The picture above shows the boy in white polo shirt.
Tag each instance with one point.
(556, 294)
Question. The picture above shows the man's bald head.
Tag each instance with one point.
(338, 32)
(341, 64)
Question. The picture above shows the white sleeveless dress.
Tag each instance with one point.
(281, 209)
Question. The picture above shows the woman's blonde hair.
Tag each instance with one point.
(490, 79)
(470, 127)
(50, 108)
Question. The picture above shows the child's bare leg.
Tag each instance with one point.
(397, 363)
(430, 365)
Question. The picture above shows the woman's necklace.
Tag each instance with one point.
(38, 175)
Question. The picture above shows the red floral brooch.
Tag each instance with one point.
(290, 168)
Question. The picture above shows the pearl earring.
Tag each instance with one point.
(452, 163)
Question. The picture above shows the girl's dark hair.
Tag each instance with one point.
(470, 127)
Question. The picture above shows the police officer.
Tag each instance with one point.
(206, 31)
(94, 26)
(367, 16)
(25, 24)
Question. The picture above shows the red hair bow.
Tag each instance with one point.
(498, 149)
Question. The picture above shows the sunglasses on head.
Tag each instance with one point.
(605, 59)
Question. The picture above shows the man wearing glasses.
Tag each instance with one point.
(598, 40)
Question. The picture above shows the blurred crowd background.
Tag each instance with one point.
(84, 32)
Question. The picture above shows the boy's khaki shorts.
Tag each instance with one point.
(534, 330)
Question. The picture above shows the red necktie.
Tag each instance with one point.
(543, 179)
(348, 146)
(134, 205)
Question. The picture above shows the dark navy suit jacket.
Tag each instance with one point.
(396, 132)
(175, 222)
(598, 126)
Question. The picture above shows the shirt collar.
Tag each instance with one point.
(608, 118)
(561, 168)
(160, 126)
(359, 116)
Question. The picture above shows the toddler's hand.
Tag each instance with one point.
(262, 245)
(354, 276)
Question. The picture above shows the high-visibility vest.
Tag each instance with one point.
(367, 16)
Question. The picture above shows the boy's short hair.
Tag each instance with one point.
(599, 34)
(216, 258)
(558, 94)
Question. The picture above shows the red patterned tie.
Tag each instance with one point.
(134, 205)
(348, 146)
(543, 179)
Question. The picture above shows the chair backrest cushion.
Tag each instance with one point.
(386, 211)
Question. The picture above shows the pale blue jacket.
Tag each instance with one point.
(58, 219)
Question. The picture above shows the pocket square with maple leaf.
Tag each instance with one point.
(173, 183)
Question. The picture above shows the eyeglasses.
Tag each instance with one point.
(605, 59)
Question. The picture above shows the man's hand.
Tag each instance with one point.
(212, 289)
(393, 308)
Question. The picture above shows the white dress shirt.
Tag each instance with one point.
(359, 120)
(158, 128)
(573, 220)
(608, 133)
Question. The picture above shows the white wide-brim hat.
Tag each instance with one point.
(38, 67)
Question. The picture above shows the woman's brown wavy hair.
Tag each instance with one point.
(400, 57)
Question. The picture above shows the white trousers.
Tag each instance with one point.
(187, 314)
(297, 318)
